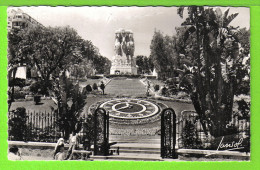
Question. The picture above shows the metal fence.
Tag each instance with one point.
(241, 125)
(42, 127)
(39, 126)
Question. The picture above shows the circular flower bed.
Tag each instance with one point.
(124, 120)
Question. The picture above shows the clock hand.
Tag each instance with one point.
(124, 107)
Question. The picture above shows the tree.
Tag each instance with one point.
(101, 64)
(52, 51)
(140, 63)
(144, 64)
(158, 52)
(243, 75)
(14, 61)
(164, 54)
(70, 102)
(48, 49)
(211, 58)
(77, 71)
(170, 43)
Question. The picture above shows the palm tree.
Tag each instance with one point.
(212, 49)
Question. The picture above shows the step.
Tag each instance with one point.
(158, 141)
(137, 146)
(139, 157)
(136, 137)
(121, 151)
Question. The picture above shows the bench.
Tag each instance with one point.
(114, 150)
(111, 151)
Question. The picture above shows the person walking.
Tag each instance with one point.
(102, 87)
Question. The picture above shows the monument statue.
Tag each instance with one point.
(123, 61)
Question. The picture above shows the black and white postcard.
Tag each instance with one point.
(129, 83)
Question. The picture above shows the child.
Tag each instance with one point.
(60, 142)
(60, 155)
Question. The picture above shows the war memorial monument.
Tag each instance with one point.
(124, 62)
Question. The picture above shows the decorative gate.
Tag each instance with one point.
(101, 128)
(168, 133)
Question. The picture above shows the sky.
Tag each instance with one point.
(99, 24)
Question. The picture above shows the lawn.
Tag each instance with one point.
(45, 105)
(126, 87)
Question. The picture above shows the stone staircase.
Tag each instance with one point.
(134, 148)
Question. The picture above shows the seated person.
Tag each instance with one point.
(60, 142)
(60, 155)
(14, 154)
(73, 144)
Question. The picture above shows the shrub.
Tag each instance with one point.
(89, 88)
(40, 87)
(172, 88)
(35, 87)
(28, 82)
(164, 91)
(243, 110)
(26, 89)
(189, 136)
(156, 87)
(94, 77)
(17, 125)
(151, 77)
(124, 75)
(17, 82)
(18, 93)
(243, 88)
(95, 87)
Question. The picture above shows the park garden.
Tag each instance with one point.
(203, 73)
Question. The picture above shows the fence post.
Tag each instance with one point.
(168, 133)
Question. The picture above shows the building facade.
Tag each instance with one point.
(19, 19)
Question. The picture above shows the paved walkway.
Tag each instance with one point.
(126, 87)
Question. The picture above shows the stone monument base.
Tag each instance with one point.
(123, 69)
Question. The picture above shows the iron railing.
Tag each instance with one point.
(40, 127)
(241, 125)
